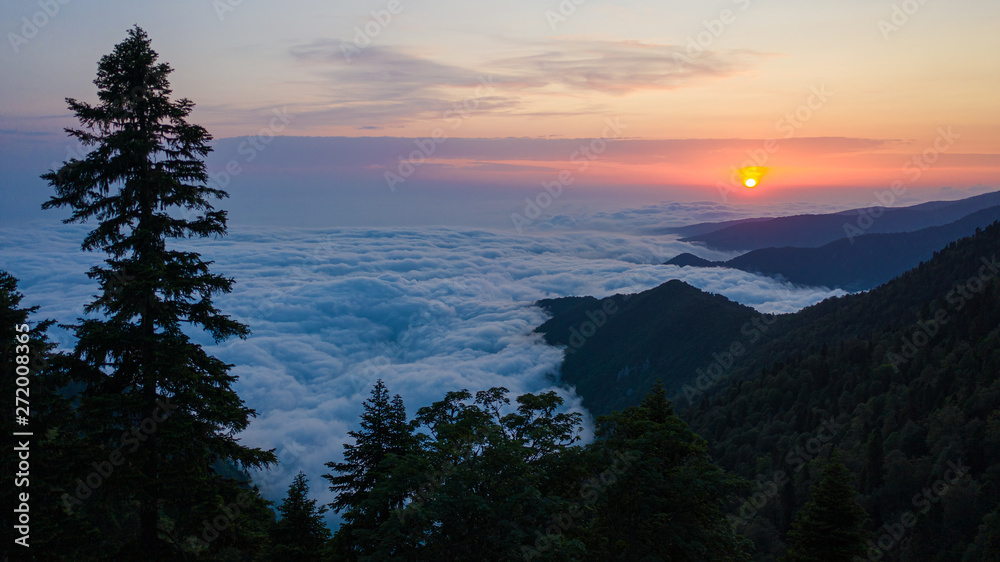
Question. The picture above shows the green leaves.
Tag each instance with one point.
(486, 479)
(385, 438)
(666, 497)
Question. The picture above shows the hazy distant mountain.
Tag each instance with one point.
(688, 259)
(811, 231)
(706, 227)
(861, 264)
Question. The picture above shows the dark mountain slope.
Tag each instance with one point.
(688, 259)
(697, 325)
(832, 322)
(613, 364)
(891, 306)
(904, 380)
(706, 227)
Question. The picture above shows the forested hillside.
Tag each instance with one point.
(617, 347)
(902, 379)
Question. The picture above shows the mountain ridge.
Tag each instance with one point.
(856, 264)
(814, 230)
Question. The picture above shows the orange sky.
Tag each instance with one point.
(849, 92)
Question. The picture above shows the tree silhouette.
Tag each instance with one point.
(830, 527)
(30, 380)
(142, 372)
(301, 533)
(384, 436)
(664, 500)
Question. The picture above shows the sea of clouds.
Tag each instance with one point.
(426, 309)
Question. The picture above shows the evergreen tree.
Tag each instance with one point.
(830, 527)
(385, 436)
(31, 383)
(301, 533)
(143, 375)
(659, 495)
(871, 475)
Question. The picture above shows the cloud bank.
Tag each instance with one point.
(426, 309)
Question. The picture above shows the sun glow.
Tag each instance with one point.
(750, 176)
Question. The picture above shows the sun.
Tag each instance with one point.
(751, 176)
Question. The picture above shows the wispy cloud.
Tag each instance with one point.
(621, 67)
(385, 84)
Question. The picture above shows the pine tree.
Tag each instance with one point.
(143, 375)
(658, 494)
(871, 475)
(830, 527)
(301, 533)
(385, 436)
(31, 384)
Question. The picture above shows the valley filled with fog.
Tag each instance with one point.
(427, 309)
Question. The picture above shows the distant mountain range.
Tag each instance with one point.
(861, 263)
(812, 231)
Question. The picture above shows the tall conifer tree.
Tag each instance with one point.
(385, 435)
(830, 527)
(664, 496)
(152, 395)
(301, 533)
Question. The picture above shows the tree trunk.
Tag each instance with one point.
(149, 511)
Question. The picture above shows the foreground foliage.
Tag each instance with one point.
(488, 480)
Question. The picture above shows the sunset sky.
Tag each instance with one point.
(849, 91)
